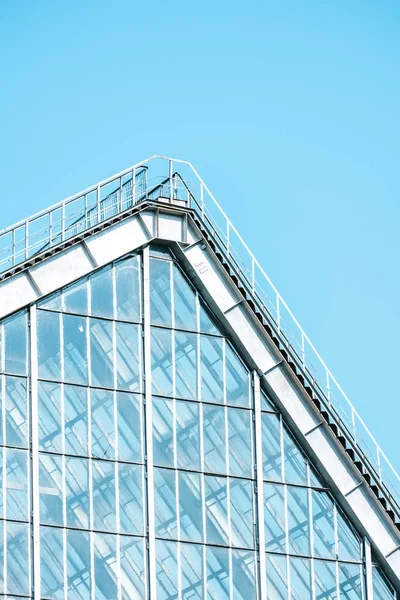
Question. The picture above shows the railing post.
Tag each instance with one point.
(328, 386)
(171, 166)
(133, 185)
(120, 194)
(63, 221)
(303, 352)
(227, 238)
(202, 200)
(353, 422)
(278, 312)
(378, 457)
(98, 204)
(253, 274)
(13, 247)
(26, 239)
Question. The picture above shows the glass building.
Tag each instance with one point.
(145, 454)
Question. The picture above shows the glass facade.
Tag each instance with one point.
(81, 407)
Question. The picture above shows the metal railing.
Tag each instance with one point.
(154, 178)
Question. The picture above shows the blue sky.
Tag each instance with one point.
(288, 109)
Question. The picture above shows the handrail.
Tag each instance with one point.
(23, 241)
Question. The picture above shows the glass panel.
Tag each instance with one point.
(271, 443)
(101, 353)
(192, 571)
(184, 302)
(15, 342)
(190, 507)
(237, 379)
(165, 503)
(132, 567)
(128, 357)
(131, 498)
(216, 510)
(217, 573)
(101, 292)
(382, 589)
(350, 582)
(349, 547)
(277, 585)
(105, 566)
(161, 362)
(167, 571)
(49, 399)
(207, 325)
(241, 499)
(188, 435)
(160, 292)
(212, 389)
(130, 418)
(51, 563)
(214, 439)
(298, 517)
(244, 575)
(163, 432)
(266, 403)
(186, 365)
(104, 495)
(76, 298)
(324, 532)
(17, 558)
(128, 289)
(77, 488)
(102, 421)
(48, 339)
(295, 462)
(325, 579)
(300, 579)
(53, 302)
(76, 419)
(75, 349)
(50, 486)
(274, 516)
(17, 484)
(240, 444)
(78, 565)
(16, 411)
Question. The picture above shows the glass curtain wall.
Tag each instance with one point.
(92, 492)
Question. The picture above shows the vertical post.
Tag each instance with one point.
(98, 204)
(278, 312)
(133, 191)
(328, 386)
(253, 278)
(63, 221)
(149, 424)
(353, 422)
(228, 232)
(303, 352)
(26, 239)
(260, 486)
(120, 194)
(35, 451)
(171, 166)
(369, 590)
(202, 200)
(378, 460)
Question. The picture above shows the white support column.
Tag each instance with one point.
(149, 425)
(260, 487)
(35, 452)
(369, 591)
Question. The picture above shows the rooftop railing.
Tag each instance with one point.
(155, 178)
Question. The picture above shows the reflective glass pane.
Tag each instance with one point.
(244, 575)
(277, 584)
(207, 325)
(163, 432)
(77, 489)
(128, 357)
(348, 542)
(103, 473)
(75, 349)
(132, 567)
(165, 503)
(127, 275)
(76, 419)
(300, 579)
(184, 302)
(295, 462)
(161, 362)
(382, 589)
(51, 563)
(266, 403)
(102, 422)
(298, 520)
(76, 298)
(49, 402)
(105, 566)
(160, 292)
(214, 439)
(186, 365)
(49, 349)
(101, 353)
(325, 579)
(274, 516)
(216, 510)
(192, 571)
(101, 293)
(240, 442)
(15, 344)
(241, 500)
(217, 573)
(167, 570)
(16, 411)
(324, 532)
(188, 435)
(350, 581)
(131, 498)
(78, 565)
(17, 484)
(50, 487)
(212, 389)
(190, 507)
(271, 443)
(18, 568)
(130, 418)
(237, 379)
